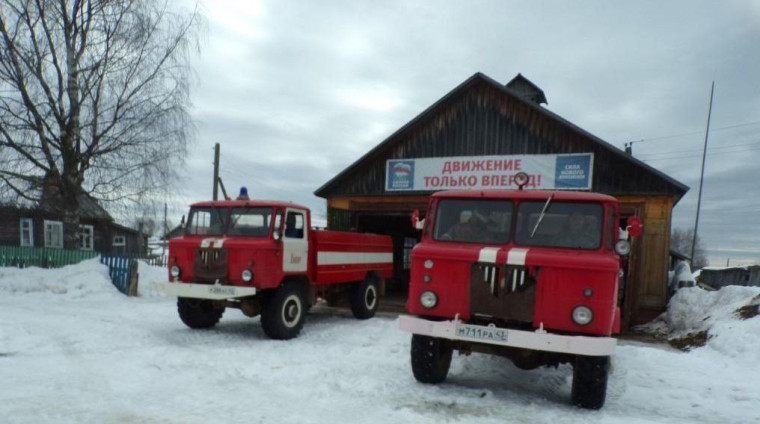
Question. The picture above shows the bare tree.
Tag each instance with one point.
(93, 100)
(680, 241)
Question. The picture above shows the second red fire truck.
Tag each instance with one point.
(264, 258)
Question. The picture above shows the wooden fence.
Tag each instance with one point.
(22, 257)
(123, 272)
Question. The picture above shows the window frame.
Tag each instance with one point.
(49, 227)
(91, 230)
(123, 240)
(22, 230)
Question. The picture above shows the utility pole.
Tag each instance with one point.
(165, 240)
(702, 176)
(216, 171)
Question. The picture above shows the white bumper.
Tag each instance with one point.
(536, 340)
(204, 291)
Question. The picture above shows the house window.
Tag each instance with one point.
(119, 241)
(85, 237)
(54, 234)
(27, 232)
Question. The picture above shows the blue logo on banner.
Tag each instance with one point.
(573, 172)
(400, 175)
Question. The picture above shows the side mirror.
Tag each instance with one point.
(417, 223)
(182, 223)
(635, 228)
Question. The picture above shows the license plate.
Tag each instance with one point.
(476, 332)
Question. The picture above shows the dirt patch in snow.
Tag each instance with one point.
(750, 310)
(689, 341)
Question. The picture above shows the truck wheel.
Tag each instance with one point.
(199, 313)
(364, 298)
(590, 381)
(283, 313)
(431, 358)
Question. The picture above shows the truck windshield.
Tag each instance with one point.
(564, 224)
(250, 222)
(207, 221)
(473, 220)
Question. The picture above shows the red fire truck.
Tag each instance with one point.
(264, 258)
(528, 275)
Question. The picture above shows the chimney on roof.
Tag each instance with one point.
(527, 90)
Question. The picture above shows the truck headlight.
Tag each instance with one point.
(428, 264)
(175, 271)
(623, 247)
(246, 275)
(582, 315)
(428, 299)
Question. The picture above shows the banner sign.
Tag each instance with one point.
(572, 171)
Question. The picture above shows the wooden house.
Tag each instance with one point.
(42, 226)
(483, 118)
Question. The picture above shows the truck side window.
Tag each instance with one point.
(294, 225)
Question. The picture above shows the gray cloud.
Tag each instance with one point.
(295, 91)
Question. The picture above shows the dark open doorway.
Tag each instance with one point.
(398, 226)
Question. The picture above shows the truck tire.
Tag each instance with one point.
(283, 313)
(199, 313)
(431, 359)
(364, 298)
(590, 381)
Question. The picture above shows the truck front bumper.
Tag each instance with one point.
(203, 291)
(535, 340)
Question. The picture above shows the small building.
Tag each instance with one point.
(42, 226)
(716, 277)
(484, 123)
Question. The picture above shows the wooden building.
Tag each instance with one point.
(482, 117)
(42, 226)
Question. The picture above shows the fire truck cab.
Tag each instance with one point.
(263, 258)
(529, 275)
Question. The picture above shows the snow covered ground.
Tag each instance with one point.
(74, 350)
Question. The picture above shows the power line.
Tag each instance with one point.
(711, 149)
(644, 140)
(677, 156)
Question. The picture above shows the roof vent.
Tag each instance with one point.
(527, 90)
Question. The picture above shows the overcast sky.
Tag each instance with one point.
(295, 91)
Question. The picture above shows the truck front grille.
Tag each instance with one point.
(210, 264)
(502, 291)
(506, 279)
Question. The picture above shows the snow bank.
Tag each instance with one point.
(75, 350)
(723, 318)
(86, 279)
(148, 275)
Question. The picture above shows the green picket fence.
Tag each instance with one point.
(22, 257)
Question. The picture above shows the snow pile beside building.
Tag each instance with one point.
(720, 320)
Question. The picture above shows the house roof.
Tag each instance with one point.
(476, 79)
(88, 207)
(127, 229)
